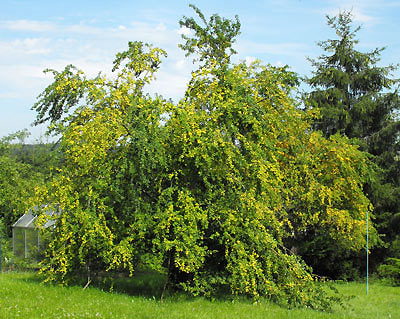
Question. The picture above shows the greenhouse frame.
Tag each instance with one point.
(26, 235)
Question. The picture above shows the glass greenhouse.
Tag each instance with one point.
(26, 238)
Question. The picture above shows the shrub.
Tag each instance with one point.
(391, 270)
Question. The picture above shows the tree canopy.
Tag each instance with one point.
(210, 190)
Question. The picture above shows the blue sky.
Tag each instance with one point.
(35, 35)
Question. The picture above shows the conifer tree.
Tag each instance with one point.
(360, 99)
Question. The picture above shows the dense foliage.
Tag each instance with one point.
(358, 99)
(391, 270)
(18, 178)
(214, 190)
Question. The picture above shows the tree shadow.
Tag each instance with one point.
(147, 284)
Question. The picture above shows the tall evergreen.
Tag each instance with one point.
(360, 99)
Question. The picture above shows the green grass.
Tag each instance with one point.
(23, 296)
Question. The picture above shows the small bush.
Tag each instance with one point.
(391, 270)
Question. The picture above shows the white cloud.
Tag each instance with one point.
(161, 27)
(170, 84)
(9, 95)
(89, 48)
(364, 12)
(24, 49)
(22, 77)
(135, 31)
(183, 30)
(181, 64)
(28, 25)
(32, 45)
(283, 49)
(358, 14)
(82, 29)
(249, 60)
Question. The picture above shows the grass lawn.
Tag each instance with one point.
(23, 296)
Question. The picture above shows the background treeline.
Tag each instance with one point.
(24, 167)
(243, 184)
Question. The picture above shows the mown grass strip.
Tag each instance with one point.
(23, 296)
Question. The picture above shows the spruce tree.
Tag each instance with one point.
(359, 99)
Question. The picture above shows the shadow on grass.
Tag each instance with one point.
(149, 284)
(144, 283)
